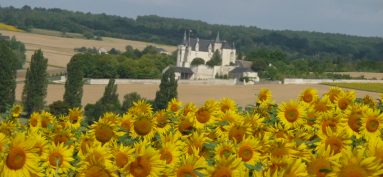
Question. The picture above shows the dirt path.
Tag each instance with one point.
(198, 94)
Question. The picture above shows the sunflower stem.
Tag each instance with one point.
(57, 167)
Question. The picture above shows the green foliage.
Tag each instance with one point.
(18, 49)
(142, 65)
(36, 83)
(197, 62)
(372, 87)
(129, 99)
(59, 108)
(7, 76)
(216, 59)
(168, 90)
(107, 103)
(74, 83)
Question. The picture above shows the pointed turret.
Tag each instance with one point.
(185, 40)
(217, 40)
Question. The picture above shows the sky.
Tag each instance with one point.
(354, 17)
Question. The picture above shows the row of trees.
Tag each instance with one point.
(36, 82)
(170, 31)
(134, 64)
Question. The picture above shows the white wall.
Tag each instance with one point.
(318, 81)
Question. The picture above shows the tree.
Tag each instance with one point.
(107, 103)
(197, 61)
(36, 83)
(215, 60)
(74, 82)
(129, 99)
(168, 90)
(7, 76)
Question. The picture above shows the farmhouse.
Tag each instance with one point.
(192, 49)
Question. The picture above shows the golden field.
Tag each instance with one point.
(59, 50)
(330, 134)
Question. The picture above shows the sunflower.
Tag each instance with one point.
(335, 141)
(296, 168)
(58, 159)
(230, 166)
(190, 166)
(146, 162)
(104, 131)
(291, 114)
(126, 122)
(87, 141)
(322, 105)
(353, 116)
(75, 116)
(188, 108)
(281, 148)
(16, 110)
(144, 126)
(344, 99)
(256, 123)
(34, 120)
(224, 149)
(122, 156)
(375, 148)
(265, 97)
(309, 95)
(96, 162)
(227, 104)
(46, 119)
(372, 123)
(61, 135)
(141, 107)
(20, 159)
(367, 100)
(330, 120)
(237, 131)
(322, 163)
(355, 163)
(248, 151)
(170, 154)
(8, 128)
(196, 141)
(205, 116)
(186, 124)
(163, 123)
(40, 142)
(333, 93)
(4, 142)
(174, 105)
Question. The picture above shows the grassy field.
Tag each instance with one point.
(371, 87)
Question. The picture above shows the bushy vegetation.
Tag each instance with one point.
(334, 134)
(132, 63)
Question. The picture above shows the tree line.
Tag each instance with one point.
(170, 31)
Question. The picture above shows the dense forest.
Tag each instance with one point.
(275, 54)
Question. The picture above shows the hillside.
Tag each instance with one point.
(170, 31)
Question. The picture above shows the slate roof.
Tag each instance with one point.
(204, 44)
(240, 70)
(183, 70)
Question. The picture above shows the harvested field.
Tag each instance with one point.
(366, 75)
(243, 95)
(59, 50)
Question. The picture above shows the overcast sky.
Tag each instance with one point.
(355, 17)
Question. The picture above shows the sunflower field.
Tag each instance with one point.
(334, 134)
